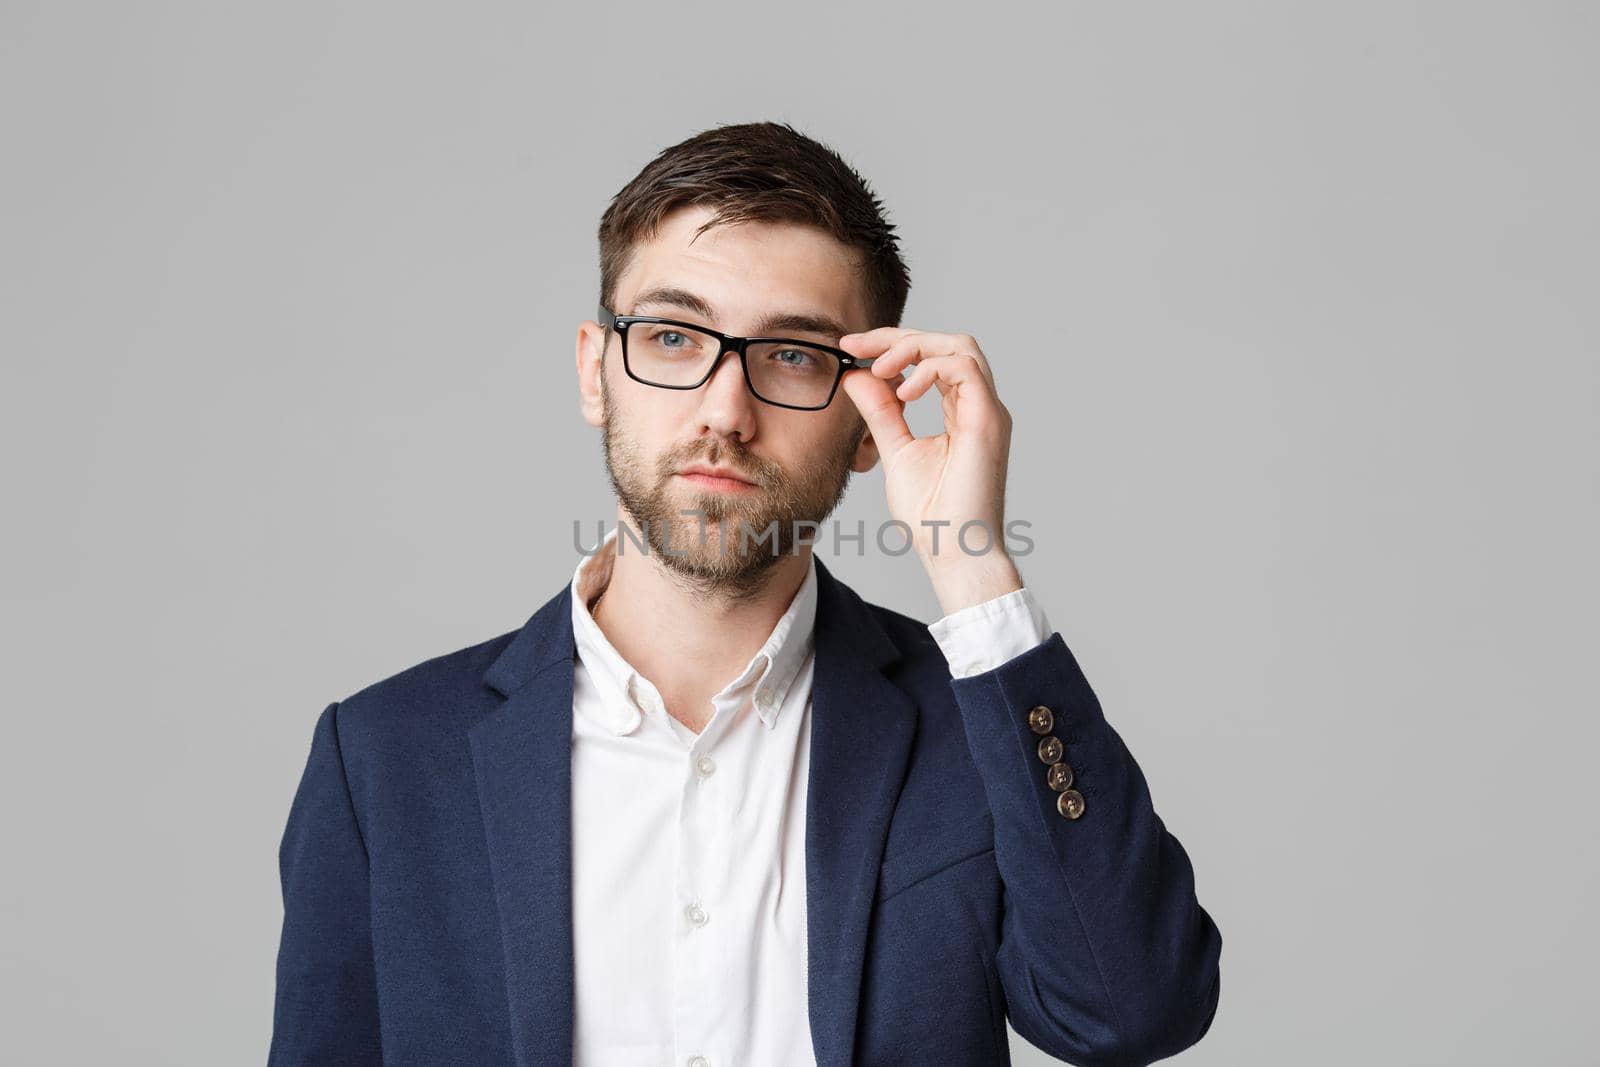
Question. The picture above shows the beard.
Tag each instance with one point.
(727, 543)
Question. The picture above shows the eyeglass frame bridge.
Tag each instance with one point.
(610, 320)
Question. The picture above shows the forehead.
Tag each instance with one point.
(748, 270)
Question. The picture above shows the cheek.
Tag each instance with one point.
(809, 455)
(651, 429)
(844, 436)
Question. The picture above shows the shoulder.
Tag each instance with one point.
(921, 658)
(917, 653)
(443, 691)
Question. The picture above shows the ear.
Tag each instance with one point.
(591, 344)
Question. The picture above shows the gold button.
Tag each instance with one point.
(1059, 776)
(1070, 803)
(1050, 749)
(1040, 720)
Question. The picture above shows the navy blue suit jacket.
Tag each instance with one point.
(426, 864)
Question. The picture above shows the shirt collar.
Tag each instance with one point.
(768, 676)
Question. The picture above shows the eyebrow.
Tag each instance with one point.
(673, 296)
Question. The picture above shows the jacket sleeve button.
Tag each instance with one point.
(1070, 803)
(1059, 777)
(1040, 720)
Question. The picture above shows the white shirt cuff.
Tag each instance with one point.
(981, 637)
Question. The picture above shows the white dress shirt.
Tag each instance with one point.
(688, 850)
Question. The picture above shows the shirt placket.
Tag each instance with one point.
(699, 941)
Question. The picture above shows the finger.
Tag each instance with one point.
(872, 342)
(976, 403)
(883, 412)
(916, 383)
(918, 345)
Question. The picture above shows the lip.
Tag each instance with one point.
(711, 478)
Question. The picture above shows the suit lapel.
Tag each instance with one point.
(861, 731)
(522, 759)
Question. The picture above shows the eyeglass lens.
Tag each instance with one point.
(785, 373)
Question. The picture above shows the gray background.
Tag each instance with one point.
(1294, 307)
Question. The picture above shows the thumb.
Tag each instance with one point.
(883, 411)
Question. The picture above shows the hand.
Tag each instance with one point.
(937, 484)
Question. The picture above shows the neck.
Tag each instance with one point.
(690, 641)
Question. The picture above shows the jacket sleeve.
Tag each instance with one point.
(1106, 956)
(326, 1008)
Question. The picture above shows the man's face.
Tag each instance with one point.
(798, 462)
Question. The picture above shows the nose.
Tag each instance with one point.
(726, 406)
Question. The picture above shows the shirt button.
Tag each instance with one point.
(699, 1061)
(706, 765)
(697, 914)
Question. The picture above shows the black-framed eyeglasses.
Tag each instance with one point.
(782, 371)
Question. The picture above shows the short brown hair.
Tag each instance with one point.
(759, 172)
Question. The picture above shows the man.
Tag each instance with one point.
(707, 807)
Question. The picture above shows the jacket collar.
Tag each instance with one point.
(546, 638)
(861, 731)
